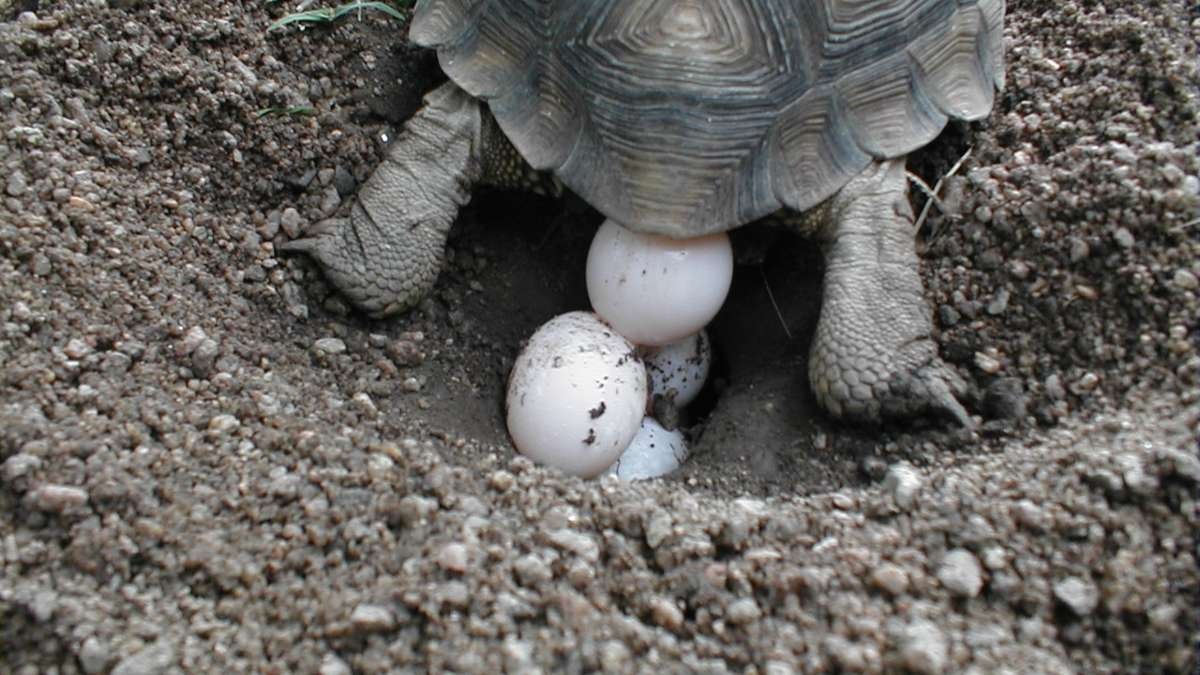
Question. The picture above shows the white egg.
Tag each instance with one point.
(682, 366)
(654, 452)
(576, 395)
(656, 290)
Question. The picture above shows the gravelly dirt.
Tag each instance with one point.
(209, 463)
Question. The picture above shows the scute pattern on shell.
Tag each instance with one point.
(686, 117)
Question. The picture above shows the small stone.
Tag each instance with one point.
(1054, 388)
(578, 543)
(43, 605)
(1080, 596)
(17, 184)
(903, 482)
(291, 222)
(370, 618)
(329, 346)
(57, 498)
(191, 340)
(1124, 238)
(999, 302)
(364, 404)
(923, 648)
(1079, 250)
(987, 363)
(614, 656)
(453, 558)
(150, 661)
(501, 481)
(332, 665)
(960, 573)
(1086, 383)
(532, 570)
(454, 594)
(20, 465)
(659, 527)
(93, 656)
(77, 349)
(224, 423)
(1185, 280)
(204, 357)
(890, 578)
(1004, 399)
(743, 611)
(1019, 269)
(411, 385)
(405, 352)
(666, 614)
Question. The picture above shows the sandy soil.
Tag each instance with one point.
(211, 464)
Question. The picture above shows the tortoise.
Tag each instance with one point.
(688, 117)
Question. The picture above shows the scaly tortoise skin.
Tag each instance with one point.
(687, 117)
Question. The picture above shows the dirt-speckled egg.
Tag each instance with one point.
(682, 366)
(576, 395)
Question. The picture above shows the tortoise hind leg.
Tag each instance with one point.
(873, 356)
(386, 254)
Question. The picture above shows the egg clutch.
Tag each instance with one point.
(581, 392)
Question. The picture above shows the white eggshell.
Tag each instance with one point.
(656, 290)
(682, 366)
(654, 452)
(576, 395)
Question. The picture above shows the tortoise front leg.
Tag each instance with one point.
(873, 355)
(385, 256)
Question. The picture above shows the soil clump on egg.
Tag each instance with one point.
(209, 463)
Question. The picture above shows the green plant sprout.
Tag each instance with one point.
(325, 15)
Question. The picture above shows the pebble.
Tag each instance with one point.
(57, 498)
(329, 346)
(332, 665)
(77, 349)
(891, 578)
(16, 184)
(204, 357)
(999, 302)
(1087, 382)
(1080, 596)
(453, 558)
(532, 570)
(19, 465)
(370, 618)
(1054, 388)
(191, 340)
(1079, 250)
(961, 573)
(1124, 238)
(150, 661)
(924, 648)
(743, 611)
(666, 613)
(1185, 280)
(223, 423)
(93, 656)
(291, 222)
(987, 363)
(903, 482)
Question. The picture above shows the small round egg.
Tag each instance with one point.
(656, 290)
(654, 452)
(682, 366)
(576, 395)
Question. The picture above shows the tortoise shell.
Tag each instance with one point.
(686, 117)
